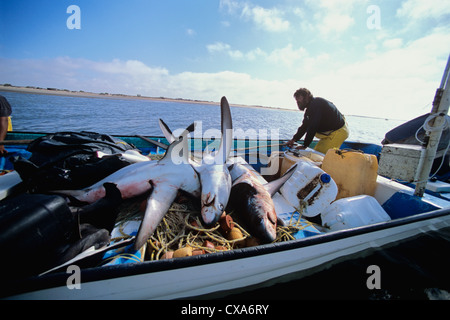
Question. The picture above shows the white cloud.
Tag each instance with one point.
(230, 5)
(287, 56)
(129, 67)
(418, 9)
(397, 83)
(267, 19)
(190, 32)
(255, 54)
(393, 43)
(299, 12)
(333, 23)
(218, 47)
(333, 16)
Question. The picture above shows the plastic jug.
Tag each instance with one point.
(309, 189)
(353, 212)
(291, 157)
(354, 172)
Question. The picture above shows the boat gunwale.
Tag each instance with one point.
(36, 135)
(101, 273)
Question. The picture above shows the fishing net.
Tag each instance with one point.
(182, 233)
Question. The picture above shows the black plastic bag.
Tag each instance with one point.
(68, 160)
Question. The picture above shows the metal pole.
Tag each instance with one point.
(433, 134)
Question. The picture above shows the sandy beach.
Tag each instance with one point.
(83, 94)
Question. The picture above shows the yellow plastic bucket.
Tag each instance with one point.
(354, 172)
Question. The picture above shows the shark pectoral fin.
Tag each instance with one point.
(191, 127)
(75, 196)
(158, 204)
(73, 193)
(111, 199)
(280, 222)
(178, 151)
(273, 186)
(112, 192)
(166, 131)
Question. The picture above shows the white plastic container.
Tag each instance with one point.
(353, 212)
(309, 188)
(292, 157)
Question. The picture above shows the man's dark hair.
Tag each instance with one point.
(305, 93)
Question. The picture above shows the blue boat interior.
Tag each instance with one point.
(400, 204)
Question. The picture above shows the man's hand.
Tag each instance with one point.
(3, 151)
(3, 132)
(290, 143)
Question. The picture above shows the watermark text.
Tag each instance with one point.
(74, 280)
(374, 280)
(74, 20)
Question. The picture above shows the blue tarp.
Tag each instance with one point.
(5, 162)
(308, 228)
(402, 205)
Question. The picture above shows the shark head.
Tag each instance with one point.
(213, 173)
(253, 200)
(263, 218)
(215, 191)
(254, 205)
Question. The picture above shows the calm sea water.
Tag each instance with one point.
(46, 113)
(417, 270)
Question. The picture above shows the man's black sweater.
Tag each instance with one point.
(321, 116)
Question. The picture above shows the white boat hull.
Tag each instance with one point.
(196, 276)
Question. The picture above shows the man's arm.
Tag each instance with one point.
(300, 132)
(314, 118)
(3, 131)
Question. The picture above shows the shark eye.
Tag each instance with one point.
(221, 207)
(210, 203)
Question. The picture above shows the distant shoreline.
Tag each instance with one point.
(83, 94)
(117, 96)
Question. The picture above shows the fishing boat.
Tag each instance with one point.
(396, 210)
(246, 267)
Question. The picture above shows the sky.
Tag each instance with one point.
(380, 58)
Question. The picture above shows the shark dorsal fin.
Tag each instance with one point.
(226, 129)
(227, 133)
